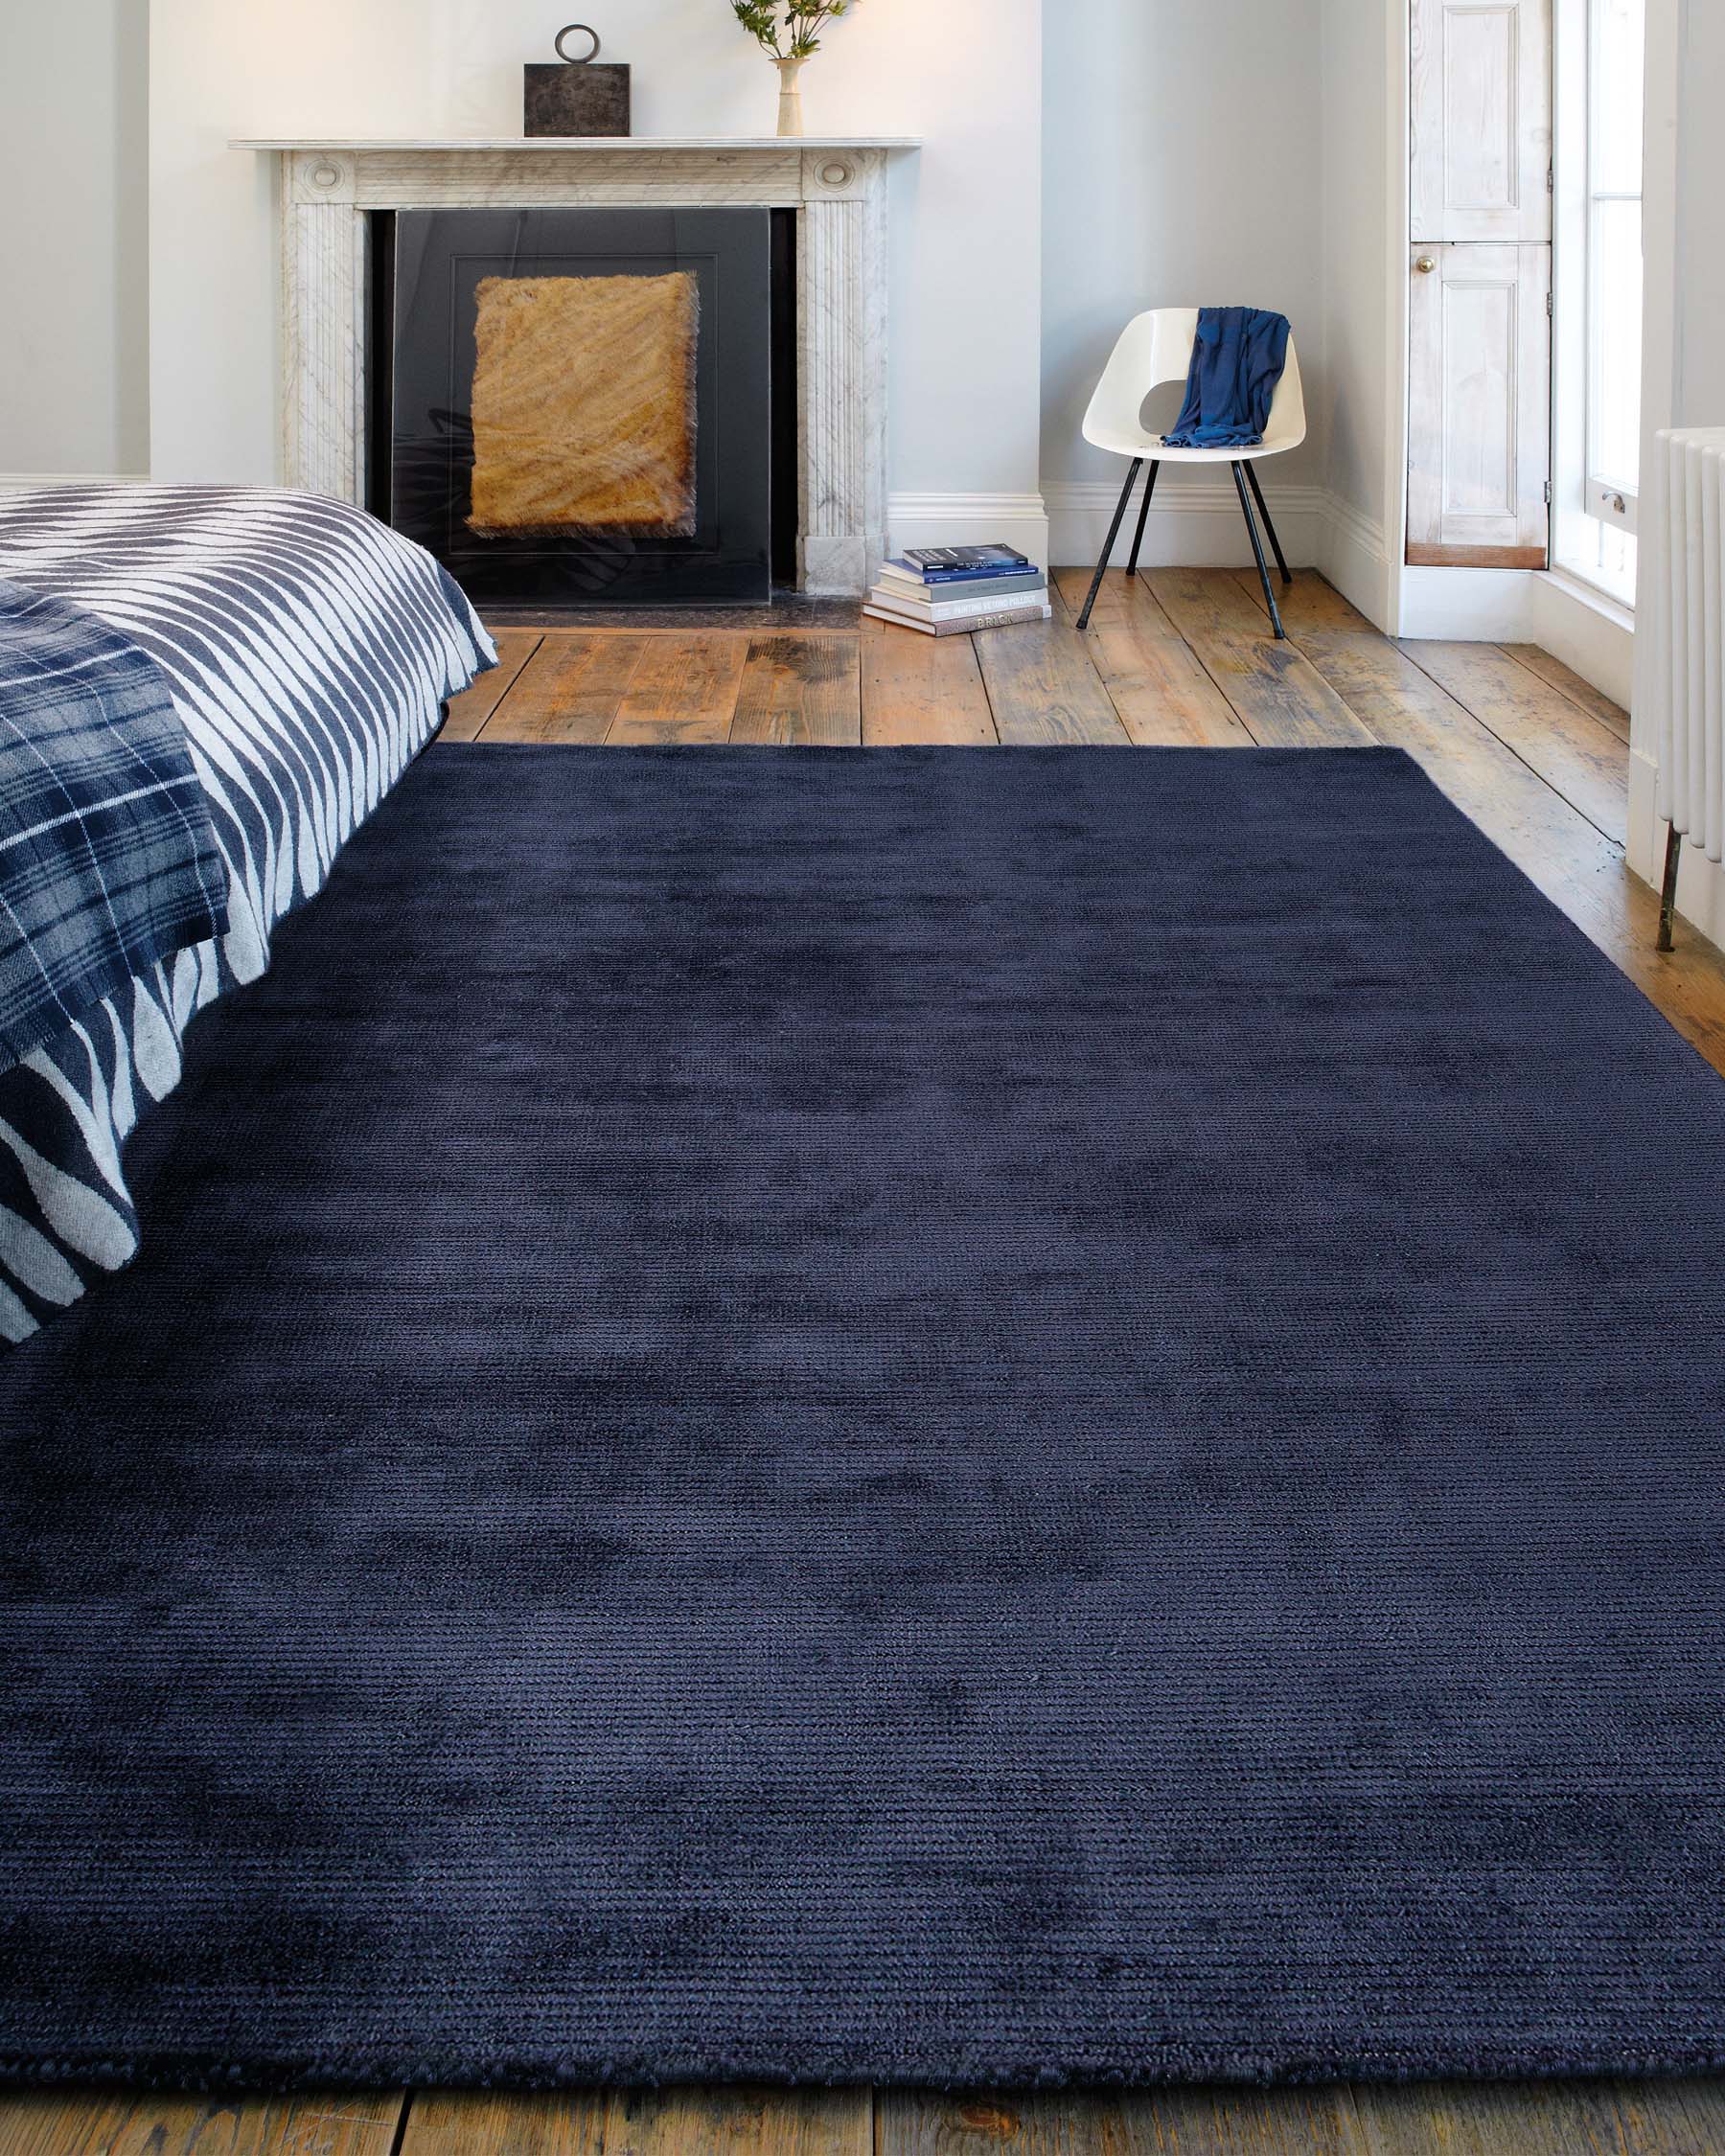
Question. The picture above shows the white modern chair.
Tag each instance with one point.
(1154, 348)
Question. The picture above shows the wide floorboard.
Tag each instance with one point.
(1173, 657)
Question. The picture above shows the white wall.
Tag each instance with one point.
(1700, 384)
(966, 236)
(1362, 60)
(74, 387)
(1183, 165)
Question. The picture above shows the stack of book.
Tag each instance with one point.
(952, 591)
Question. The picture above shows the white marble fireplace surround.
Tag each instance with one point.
(836, 186)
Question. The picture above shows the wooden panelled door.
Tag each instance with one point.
(1480, 268)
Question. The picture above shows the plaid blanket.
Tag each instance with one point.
(309, 650)
(107, 859)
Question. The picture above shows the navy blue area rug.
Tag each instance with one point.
(954, 1416)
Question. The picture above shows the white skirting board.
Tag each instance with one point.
(1353, 555)
(1592, 635)
(1194, 523)
(1467, 606)
(23, 482)
(1019, 520)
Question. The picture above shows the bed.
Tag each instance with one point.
(307, 652)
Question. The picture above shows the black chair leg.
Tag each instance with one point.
(1258, 548)
(1137, 540)
(1113, 533)
(1257, 496)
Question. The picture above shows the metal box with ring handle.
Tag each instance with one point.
(576, 97)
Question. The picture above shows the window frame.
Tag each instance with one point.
(1594, 513)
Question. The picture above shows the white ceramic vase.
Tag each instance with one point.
(790, 119)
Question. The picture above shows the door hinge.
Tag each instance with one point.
(1551, 307)
(1548, 493)
(1550, 179)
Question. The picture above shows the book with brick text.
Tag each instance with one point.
(956, 606)
(920, 619)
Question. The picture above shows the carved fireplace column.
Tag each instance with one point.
(841, 368)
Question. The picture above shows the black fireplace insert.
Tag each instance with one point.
(577, 407)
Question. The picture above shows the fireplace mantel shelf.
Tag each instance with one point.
(540, 145)
(835, 185)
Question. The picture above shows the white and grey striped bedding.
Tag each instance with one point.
(310, 650)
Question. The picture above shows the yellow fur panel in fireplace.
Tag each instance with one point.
(584, 405)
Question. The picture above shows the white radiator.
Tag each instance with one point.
(1678, 655)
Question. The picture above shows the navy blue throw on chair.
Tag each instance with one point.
(933, 1416)
(1236, 363)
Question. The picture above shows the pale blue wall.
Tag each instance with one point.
(74, 244)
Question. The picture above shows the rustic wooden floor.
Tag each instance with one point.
(1540, 761)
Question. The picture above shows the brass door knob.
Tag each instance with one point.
(1425, 264)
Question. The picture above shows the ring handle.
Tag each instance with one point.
(567, 31)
